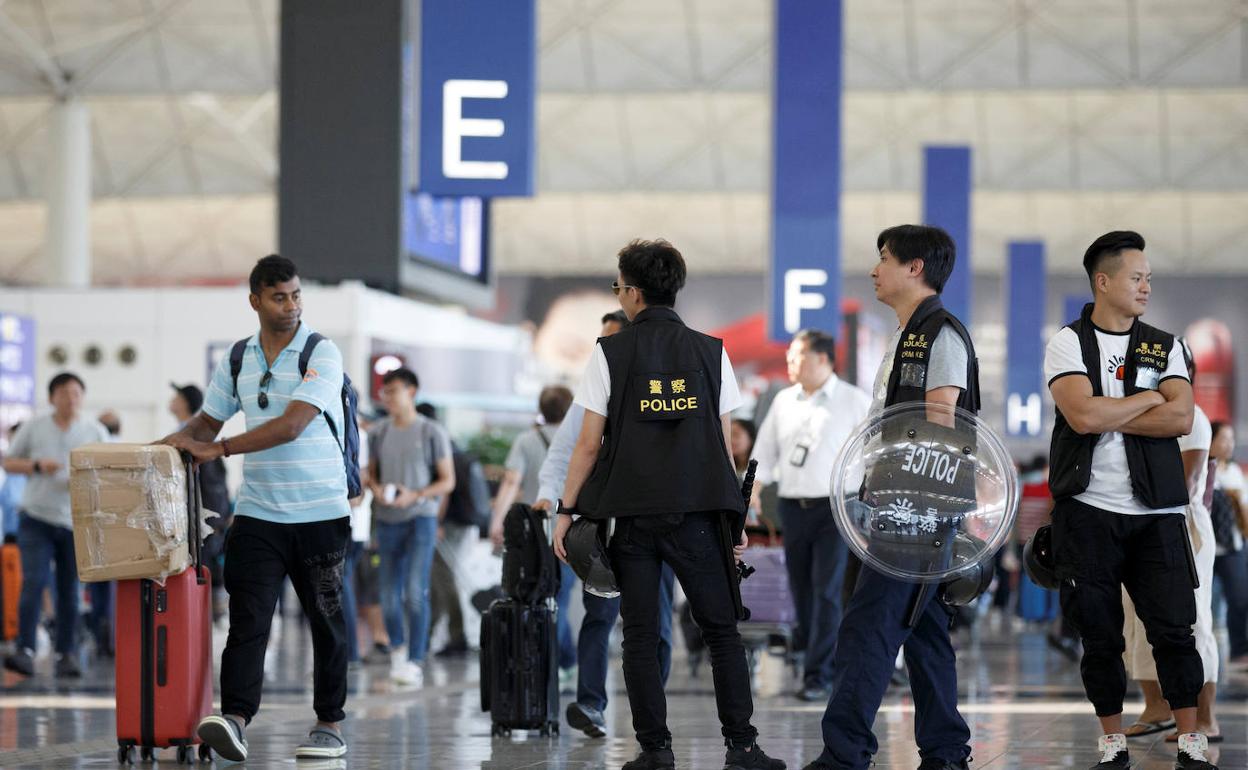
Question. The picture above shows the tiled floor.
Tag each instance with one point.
(1023, 701)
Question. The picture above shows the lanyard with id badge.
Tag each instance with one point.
(806, 441)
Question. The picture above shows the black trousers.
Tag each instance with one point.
(692, 549)
(259, 555)
(1098, 553)
(815, 557)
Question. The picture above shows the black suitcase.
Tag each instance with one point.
(519, 667)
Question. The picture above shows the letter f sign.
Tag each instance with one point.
(796, 300)
(455, 127)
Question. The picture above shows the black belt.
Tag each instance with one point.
(809, 502)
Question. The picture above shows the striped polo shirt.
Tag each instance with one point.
(302, 480)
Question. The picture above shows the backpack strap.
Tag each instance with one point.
(236, 361)
(305, 356)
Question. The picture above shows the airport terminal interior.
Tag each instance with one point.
(359, 404)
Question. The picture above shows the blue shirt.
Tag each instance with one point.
(555, 467)
(302, 480)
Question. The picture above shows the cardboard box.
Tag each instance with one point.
(129, 510)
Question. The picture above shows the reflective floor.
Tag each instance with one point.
(1022, 699)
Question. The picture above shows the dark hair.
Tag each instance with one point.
(1109, 246)
(554, 403)
(930, 244)
(616, 317)
(428, 410)
(1216, 426)
(270, 271)
(749, 427)
(64, 378)
(1188, 358)
(818, 342)
(655, 267)
(407, 376)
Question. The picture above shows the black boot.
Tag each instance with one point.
(653, 759)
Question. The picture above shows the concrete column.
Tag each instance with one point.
(68, 188)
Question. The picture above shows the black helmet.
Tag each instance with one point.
(970, 582)
(1038, 559)
(585, 543)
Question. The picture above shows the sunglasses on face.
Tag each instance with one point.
(262, 400)
(616, 286)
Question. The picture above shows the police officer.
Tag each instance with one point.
(1123, 398)
(652, 453)
(915, 261)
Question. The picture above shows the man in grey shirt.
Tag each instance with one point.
(45, 530)
(410, 470)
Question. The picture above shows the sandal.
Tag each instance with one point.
(1148, 728)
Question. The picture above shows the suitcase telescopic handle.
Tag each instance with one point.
(194, 504)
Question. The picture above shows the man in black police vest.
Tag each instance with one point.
(1116, 473)
(652, 454)
(935, 364)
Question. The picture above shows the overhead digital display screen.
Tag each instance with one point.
(447, 232)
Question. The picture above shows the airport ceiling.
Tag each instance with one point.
(654, 120)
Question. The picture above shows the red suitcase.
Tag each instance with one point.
(164, 655)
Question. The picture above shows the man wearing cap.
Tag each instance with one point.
(214, 492)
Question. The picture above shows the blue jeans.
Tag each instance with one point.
(41, 544)
(406, 562)
(600, 615)
(1231, 570)
(815, 557)
(873, 629)
(349, 609)
(567, 641)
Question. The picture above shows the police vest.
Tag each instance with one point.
(663, 448)
(908, 380)
(1154, 464)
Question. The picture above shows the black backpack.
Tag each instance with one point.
(530, 570)
(1222, 514)
(469, 503)
(349, 440)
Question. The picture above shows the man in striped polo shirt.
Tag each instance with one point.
(292, 515)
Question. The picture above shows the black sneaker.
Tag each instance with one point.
(224, 736)
(819, 764)
(1114, 754)
(750, 758)
(1193, 753)
(932, 763)
(21, 662)
(587, 719)
(652, 759)
(67, 667)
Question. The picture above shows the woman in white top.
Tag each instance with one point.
(1231, 565)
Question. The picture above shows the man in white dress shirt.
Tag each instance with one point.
(797, 445)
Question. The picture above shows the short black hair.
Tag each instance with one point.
(554, 403)
(1106, 248)
(930, 244)
(818, 342)
(655, 267)
(1216, 427)
(427, 410)
(270, 271)
(748, 426)
(407, 376)
(616, 317)
(64, 378)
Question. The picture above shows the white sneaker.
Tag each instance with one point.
(407, 673)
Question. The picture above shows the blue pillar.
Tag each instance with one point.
(805, 270)
(1072, 307)
(947, 205)
(1024, 371)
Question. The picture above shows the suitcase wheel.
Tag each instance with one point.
(186, 755)
(125, 755)
(205, 753)
(498, 731)
(550, 730)
(147, 753)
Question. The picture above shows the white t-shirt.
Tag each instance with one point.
(1109, 487)
(595, 391)
(1198, 440)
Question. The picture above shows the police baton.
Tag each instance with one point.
(731, 526)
